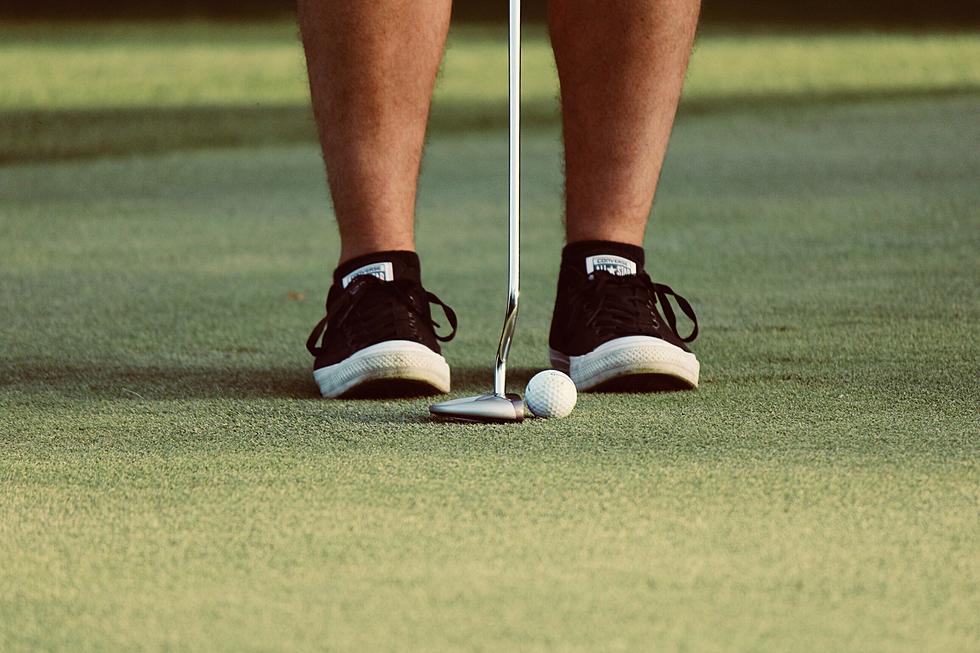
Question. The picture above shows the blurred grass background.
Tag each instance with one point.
(137, 87)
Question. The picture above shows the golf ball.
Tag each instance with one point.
(550, 394)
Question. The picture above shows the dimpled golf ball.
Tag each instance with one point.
(550, 394)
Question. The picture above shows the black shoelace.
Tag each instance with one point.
(376, 313)
(628, 304)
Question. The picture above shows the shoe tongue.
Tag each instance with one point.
(618, 266)
(386, 266)
(383, 270)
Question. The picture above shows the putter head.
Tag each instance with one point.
(488, 408)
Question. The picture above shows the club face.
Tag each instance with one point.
(483, 409)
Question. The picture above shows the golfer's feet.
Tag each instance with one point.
(607, 332)
(378, 338)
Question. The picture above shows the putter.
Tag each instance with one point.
(499, 406)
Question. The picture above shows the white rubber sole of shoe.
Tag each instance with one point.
(392, 368)
(631, 364)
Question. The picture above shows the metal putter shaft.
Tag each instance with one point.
(498, 406)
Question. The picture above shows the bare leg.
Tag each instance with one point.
(621, 64)
(372, 67)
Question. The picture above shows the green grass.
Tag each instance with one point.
(169, 481)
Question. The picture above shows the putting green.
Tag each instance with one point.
(168, 479)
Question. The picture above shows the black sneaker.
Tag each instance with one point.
(378, 336)
(607, 332)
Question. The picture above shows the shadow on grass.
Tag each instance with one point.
(153, 383)
(156, 383)
(42, 135)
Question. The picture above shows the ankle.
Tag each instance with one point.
(350, 251)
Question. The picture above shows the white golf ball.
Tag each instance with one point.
(550, 394)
